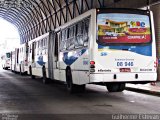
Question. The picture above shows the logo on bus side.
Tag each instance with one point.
(40, 61)
(104, 54)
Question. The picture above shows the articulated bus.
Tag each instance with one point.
(108, 47)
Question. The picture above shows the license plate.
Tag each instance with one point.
(125, 70)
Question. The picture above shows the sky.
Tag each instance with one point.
(9, 36)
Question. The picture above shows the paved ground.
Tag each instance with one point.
(20, 95)
(150, 88)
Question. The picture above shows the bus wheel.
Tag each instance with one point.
(113, 87)
(73, 88)
(30, 71)
(121, 87)
(44, 78)
(20, 70)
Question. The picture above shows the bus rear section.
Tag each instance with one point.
(125, 49)
(20, 59)
(6, 60)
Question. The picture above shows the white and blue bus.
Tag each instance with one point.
(109, 47)
(19, 59)
(5, 58)
(38, 56)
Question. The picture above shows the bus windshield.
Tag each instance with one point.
(8, 55)
(123, 28)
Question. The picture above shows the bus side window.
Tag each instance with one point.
(33, 52)
(63, 40)
(30, 48)
(27, 48)
(86, 32)
(70, 38)
(75, 31)
(67, 31)
(17, 55)
(79, 34)
(35, 45)
(46, 42)
(45, 45)
(56, 44)
(42, 43)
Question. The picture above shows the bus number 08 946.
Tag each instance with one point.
(125, 64)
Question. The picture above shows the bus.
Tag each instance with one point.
(6, 61)
(108, 47)
(38, 56)
(19, 59)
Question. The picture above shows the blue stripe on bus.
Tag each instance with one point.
(70, 59)
(40, 61)
(142, 49)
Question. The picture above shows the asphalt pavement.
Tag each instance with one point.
(22, 98)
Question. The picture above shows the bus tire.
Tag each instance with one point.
(20, 70)
(15, 69)
(73, 88)
(44, 78)
(112, 87)
(121, 87)
(30, 71)
(25, 73)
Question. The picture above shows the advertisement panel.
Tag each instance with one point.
(123, 28)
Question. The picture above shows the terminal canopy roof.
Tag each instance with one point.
(36, 17)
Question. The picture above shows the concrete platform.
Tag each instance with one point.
(153, 89)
